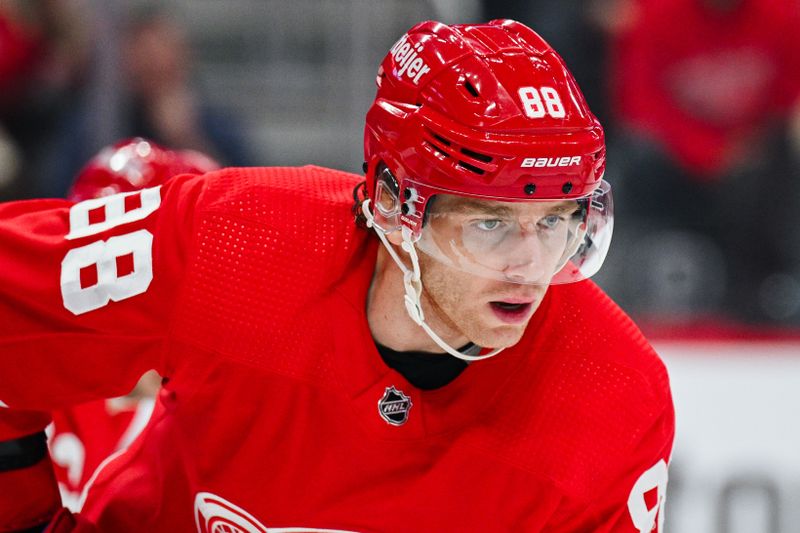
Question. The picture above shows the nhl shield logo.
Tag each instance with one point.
(394, 406)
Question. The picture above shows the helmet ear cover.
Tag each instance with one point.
(387, 206)
(387, 192)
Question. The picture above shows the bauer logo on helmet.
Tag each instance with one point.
(540, 162)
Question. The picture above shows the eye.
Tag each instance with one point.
(550, 221)
(488, 224)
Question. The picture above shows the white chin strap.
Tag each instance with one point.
(413, 286)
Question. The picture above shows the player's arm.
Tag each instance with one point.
(86, 296)
(633, 500)
(644, 486)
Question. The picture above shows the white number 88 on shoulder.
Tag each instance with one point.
(103, 255)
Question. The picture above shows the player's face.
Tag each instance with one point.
(502, 243)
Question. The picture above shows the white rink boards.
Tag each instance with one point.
(736, 463)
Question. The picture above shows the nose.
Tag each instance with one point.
(525, 261)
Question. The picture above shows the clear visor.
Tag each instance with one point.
(537, 242)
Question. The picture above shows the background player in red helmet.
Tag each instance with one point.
(458, 373)
(84, 435)
(133, 164)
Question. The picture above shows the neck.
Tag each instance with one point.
(388, 320)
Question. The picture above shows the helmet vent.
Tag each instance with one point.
(476, 155)
(460, 157)
(471, 89)
(471, 168)
(441, 139)
(439, 144)
(439, 149)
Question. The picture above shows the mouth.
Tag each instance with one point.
(511, 312)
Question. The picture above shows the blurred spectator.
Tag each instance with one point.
(158, 99)
(163, 104)
(704, 91)
(44, 52)
(706, 78)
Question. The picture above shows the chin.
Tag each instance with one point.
(499, 337)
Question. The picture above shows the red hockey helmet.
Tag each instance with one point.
(488, 111)
(134, 164)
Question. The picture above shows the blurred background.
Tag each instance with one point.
(701, 104)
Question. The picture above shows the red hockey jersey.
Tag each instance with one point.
(85, 435)
(246, 289)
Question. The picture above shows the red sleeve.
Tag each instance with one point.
(634, 502)
(86, 300)
(637, 502)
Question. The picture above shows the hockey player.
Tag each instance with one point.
(134, 164)
(83, 436)
(443, 364)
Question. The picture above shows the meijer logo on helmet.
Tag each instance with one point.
(407, 57)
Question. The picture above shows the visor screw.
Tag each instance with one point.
(364, 167)
(530, 188)
(567, 187)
